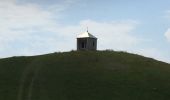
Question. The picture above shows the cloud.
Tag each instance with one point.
(109, 34)
(115, 34)
(22, 25)
(167, 34)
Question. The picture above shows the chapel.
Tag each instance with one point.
(86, 41)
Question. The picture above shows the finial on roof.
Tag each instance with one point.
(87, 29)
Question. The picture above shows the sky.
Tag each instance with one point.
(34, 27)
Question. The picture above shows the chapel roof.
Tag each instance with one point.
(86, 35)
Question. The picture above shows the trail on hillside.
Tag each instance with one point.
(27, 80)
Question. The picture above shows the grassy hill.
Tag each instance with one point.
(98, 75)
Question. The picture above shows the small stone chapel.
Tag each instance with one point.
(86, 41)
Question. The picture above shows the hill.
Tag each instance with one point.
(98, 75)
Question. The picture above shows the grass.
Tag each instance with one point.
(92, 75)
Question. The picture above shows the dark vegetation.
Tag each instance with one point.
(98, 75)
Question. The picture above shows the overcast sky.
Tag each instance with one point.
(33, 27)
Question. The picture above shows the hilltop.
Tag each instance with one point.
(91, 75)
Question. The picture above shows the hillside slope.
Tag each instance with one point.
(100, 75)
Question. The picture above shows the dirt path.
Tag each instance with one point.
(28, 78)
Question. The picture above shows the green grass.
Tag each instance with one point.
(92, 75)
